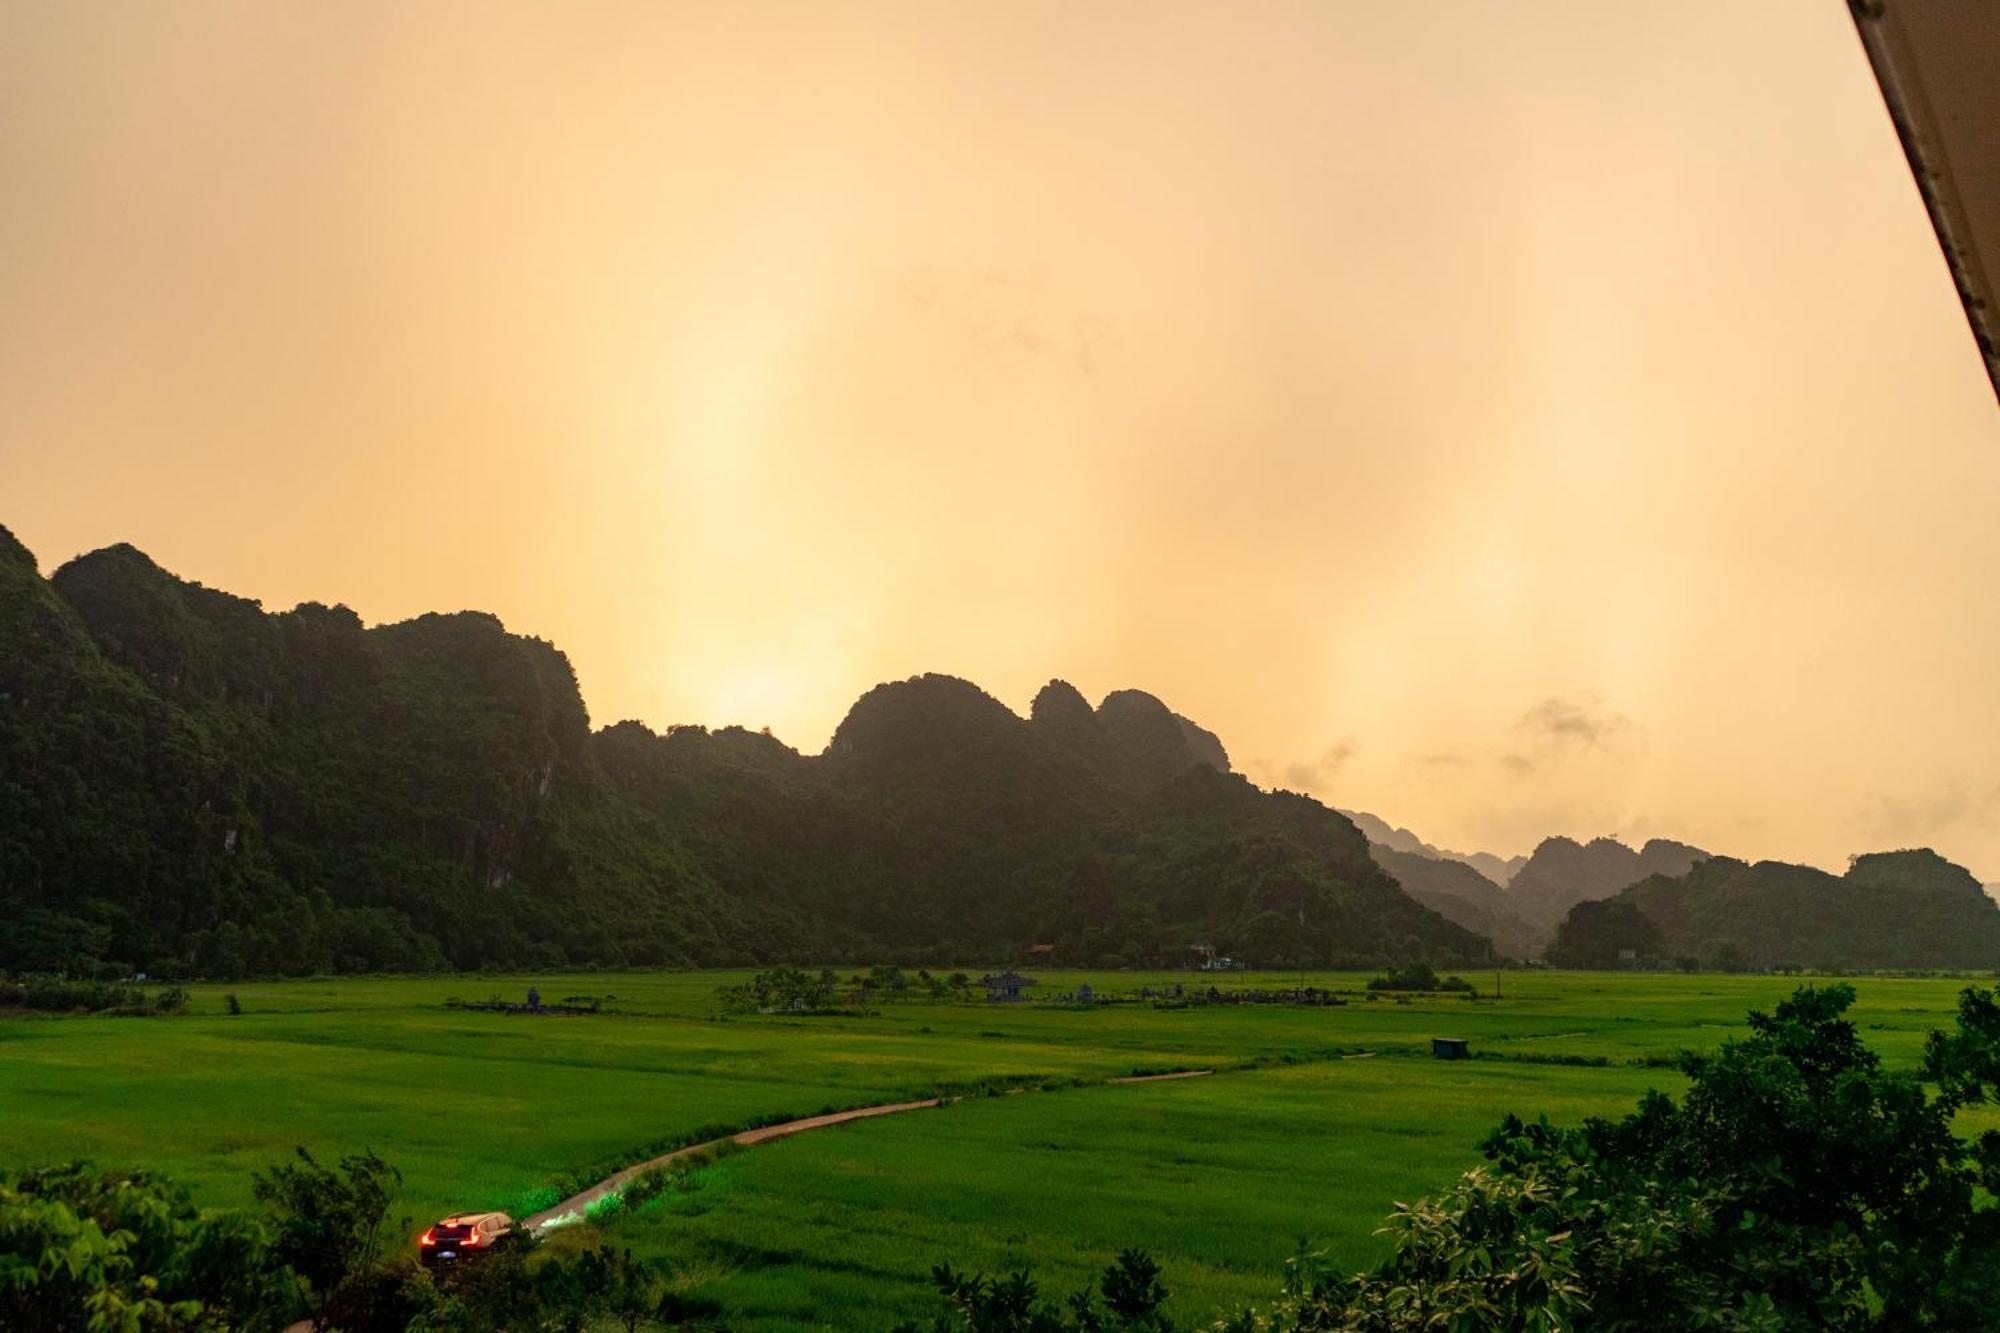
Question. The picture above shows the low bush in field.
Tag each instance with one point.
(1422, 977)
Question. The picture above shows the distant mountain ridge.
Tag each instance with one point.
(1500, 870)
(1563, 872)
(1901, 909)
(196, 785)
(1459, 893)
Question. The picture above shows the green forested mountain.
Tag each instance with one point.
(1903, 909)
(190, 783)
(1563, 872)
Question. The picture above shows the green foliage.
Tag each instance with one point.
(975, 1303)
(780, 989)
(331, 1228)
(525, 1288)
(1419, 976)
(633, 1290)
(1799, 1185)
(83, 1250)
(86, 1252)
(1612, 932)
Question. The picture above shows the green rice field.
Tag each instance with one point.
(1315, 1122)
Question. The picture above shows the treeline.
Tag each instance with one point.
(69, 995)
(192, 786)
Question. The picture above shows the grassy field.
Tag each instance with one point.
(1316, 1121)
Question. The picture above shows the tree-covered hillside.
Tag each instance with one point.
(1563, 872)
(1904, 909)
(191, 784)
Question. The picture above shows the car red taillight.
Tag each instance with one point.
(428, 1237)
(473, 1239)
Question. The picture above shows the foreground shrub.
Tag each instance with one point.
(87, 1250)
(975, 1303)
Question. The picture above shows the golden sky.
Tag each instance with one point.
(1511, 419)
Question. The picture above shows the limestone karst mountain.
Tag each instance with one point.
(1900, 909)
(197, 785)
(1563, 872)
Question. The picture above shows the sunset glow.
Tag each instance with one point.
(1511, 420)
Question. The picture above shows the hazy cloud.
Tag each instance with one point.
(1557, 732)
(1003, 314)
(1951, 807)
(1319, 774)
(1563, 724)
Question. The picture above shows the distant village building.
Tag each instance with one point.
(1218, 964)
(1045, 952)
(1450, 1048)
(1005, 987)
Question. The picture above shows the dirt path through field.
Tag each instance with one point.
(577, 1205)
